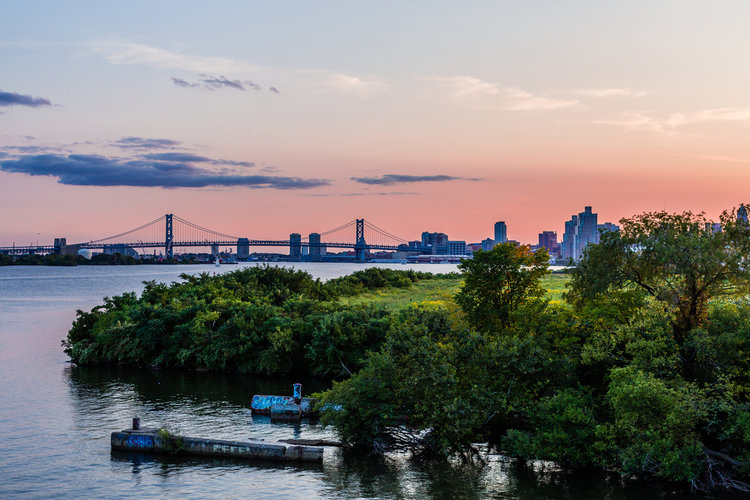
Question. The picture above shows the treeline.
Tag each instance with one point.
(115, 259)
(269, 320)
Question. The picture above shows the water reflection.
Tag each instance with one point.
(217, 406)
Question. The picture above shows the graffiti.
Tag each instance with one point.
(297, 391)
(261, 402)
(137, 441)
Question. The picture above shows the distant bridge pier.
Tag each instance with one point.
(169, 240)
(295, 247)
(360, 247)
(313, 242)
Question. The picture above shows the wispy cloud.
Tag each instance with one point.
(612, 92)
(273, 89)
(13, 99)
(209, 82)
(352, 85)
(141, 143)
(390, 179)
(364, 193)
(138, 54)
(183, 83)
(193, 158)
(671, 123)
(475, 93)
(96, 170)
(725, 159)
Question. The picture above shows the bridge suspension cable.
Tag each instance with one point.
(203, 229)
(383, 232)
(144, 226)
(343, 226)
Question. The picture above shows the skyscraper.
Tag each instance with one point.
(580, 230)
(501, 232)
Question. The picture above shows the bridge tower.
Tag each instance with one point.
(360, 246)
(168, 249)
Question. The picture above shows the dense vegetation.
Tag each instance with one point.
(269, 320)
(642, 368)
(67, 260)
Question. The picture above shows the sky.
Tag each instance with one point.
(260, 119)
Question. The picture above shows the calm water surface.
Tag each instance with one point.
(55, 419)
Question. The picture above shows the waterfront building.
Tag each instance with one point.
(548, 240)
(580, 230)
(456, 248)
(501, 232)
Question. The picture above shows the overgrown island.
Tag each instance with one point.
(637, 361)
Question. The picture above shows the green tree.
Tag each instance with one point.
(679, 259)
(498, 281)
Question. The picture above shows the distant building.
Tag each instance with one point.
(580, 230)
(501, 232)
(548, 240)
(456, 248)
(608, 226)
(487, 244)
(742, 214)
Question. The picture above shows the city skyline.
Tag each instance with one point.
(266, 119)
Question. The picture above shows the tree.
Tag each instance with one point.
(679, 259)
(498, 281)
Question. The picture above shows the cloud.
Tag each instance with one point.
(193, 158)
(217, 82)
(13, 99)
(135, 143)
(390, 179)
(352, 85)
(209, 82)
(669, 124)
(475, 93)
(273, 89)
(395, 193)
(182, 83)
(721, 158)
(138, 54)
(614, 92)
(95, 170)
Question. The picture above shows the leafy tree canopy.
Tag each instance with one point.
(498, 281)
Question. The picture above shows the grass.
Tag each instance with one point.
(440, 290)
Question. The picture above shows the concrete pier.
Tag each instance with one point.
(154, 441)
(289, 408)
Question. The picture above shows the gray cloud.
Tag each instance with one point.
(217, 82)
(210, 82)
(273, 89)
(12, 99)
(95, 170)
(133, 143)
(390, 179)
(193, 158)
(395, 193)
(182, 83)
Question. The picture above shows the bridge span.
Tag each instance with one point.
(169, 232)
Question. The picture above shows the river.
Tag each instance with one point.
(55, 418)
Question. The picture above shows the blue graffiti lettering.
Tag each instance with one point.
(138, 441)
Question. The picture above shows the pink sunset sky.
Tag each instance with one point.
(264, 118)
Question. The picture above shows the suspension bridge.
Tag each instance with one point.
(170, 231)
